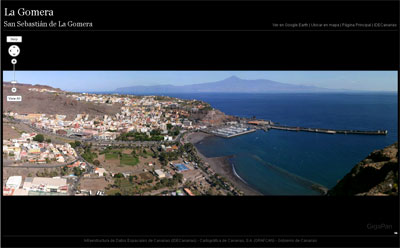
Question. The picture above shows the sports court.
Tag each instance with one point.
(181, 167)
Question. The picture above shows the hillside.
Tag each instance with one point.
(229, 85)
(50, 103)
(213, 117)
(378, 174)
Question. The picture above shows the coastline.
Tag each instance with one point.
(222, 165)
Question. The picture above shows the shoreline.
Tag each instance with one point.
(222, 165)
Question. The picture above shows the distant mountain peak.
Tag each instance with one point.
(233, 78)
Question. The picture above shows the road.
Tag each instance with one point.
(89, 170)
(7, 163)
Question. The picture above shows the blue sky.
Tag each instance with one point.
(110, 80)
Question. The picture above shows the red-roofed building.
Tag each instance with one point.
(8, 191)
(188, 191)
(76, 164)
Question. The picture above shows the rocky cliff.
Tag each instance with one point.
(216, 117)
(378, 174)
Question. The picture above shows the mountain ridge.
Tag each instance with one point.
(231, 84)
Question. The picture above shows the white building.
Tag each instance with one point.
(160, 173)
(167, 138)
(14, 182)
(47, 184)
(100, 171)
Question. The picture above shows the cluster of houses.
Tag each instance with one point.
(100, 98)
(25, 149)
(173, 148)
(136, 115)
(42, 90)
(79, 164)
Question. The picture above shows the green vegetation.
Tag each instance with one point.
(123, 186)
(155, 135)
(75, 144)
(169, 182)
(114, 192)
(39, 138)
(174, 132)
(112, 155)
(135, 186)
(165, 157)
(191, 153)
(118, 175)
(219, 182)
(64, 171)
(108, 150)
(78, 171)
(48, 140)
(396, 187)
(88, 155)
(127, 159)
(46, 173)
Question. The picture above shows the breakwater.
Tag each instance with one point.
(327, 131)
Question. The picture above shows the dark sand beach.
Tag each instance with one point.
(221, 165)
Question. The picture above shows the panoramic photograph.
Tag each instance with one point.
(200, 133)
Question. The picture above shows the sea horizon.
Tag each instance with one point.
(247, 93)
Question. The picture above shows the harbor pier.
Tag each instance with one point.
(254, 125)
(327, 131)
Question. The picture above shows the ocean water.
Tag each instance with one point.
(289, 163)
